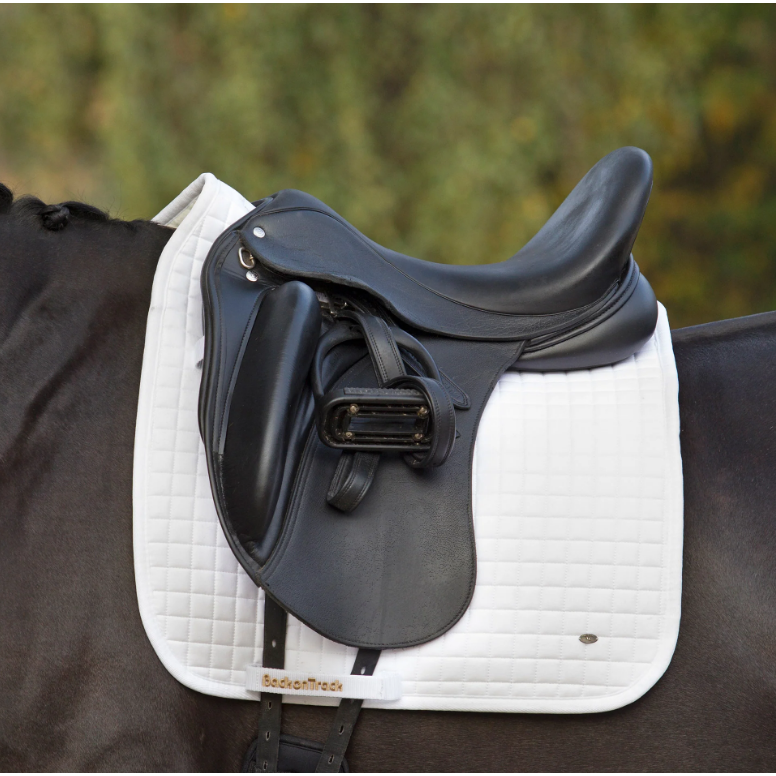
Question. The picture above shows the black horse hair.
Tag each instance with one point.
(53, 217)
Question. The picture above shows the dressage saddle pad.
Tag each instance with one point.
(576, 502)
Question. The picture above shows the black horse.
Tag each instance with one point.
(80, 685)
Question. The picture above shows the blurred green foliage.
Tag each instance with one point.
(449, 132)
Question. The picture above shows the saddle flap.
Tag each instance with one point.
(400, 569)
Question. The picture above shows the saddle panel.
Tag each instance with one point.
(605, 342)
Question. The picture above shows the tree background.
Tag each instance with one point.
(448, 132)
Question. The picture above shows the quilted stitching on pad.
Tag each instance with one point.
(578, 521)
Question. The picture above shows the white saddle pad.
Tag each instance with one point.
(577, 510)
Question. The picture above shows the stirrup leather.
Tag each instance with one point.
(412, 414)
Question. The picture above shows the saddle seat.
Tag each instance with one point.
(577, 270)
(583, 248)
(578, 254)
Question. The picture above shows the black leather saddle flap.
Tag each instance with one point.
(400, 569)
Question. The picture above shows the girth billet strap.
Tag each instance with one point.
(270, 705)
(347, 715)
(268, 742)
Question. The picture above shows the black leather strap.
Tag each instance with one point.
(382, 347)
(352, 479)
(347, 716)
(355, 471)
(297, 755)
(270, 705)
(442, 412)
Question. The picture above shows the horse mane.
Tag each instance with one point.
(54, 217)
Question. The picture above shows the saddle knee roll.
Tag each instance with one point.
(269, 392)
(614, 339)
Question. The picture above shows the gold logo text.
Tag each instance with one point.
(311, 684)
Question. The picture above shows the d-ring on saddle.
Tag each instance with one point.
(341, 391)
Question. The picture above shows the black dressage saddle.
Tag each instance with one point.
(342, 388)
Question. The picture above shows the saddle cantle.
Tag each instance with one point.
(343, 384)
